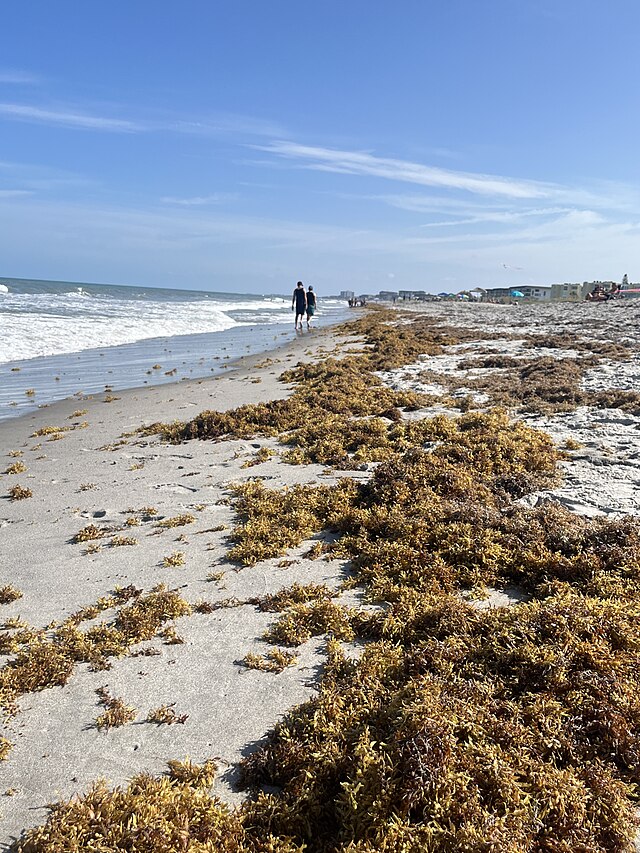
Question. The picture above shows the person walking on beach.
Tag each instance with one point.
(312, 303)
(299, 304)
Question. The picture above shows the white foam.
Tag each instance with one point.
(76, 321)
(54, 323)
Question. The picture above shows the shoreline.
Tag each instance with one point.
(77, 482)
(148, 363)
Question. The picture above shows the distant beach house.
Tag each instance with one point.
(570, 291)
(532, 291)
(412, 294)
(528, 291)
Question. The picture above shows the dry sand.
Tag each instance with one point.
(77, 480)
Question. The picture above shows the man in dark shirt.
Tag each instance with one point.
(299, 303)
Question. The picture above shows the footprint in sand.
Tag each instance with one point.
(98, 513)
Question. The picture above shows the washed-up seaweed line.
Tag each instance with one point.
(457, 729)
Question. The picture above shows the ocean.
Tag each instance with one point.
(60, 339)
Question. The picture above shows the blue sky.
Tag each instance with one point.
(359, 145)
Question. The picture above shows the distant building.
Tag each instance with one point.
(564, 292)
(568, 292)
(413, 294)
(497, 294)
(532, 291)
(388, 295)
(347, 294)
(528, 291)
(630, 289)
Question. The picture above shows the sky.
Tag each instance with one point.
(241, 146)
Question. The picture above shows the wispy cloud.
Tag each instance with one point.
(567, 225)
(439, 204)
(14, 193)
(200, 200)
(23, 112)
(227, 124)
(216, 125)
(17, 77)
(363, 163)
(505, 217)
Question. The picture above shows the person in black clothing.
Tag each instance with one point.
(311, 305)
(299, 303)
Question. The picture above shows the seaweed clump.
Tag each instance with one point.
(20, 493)
(17, 468)
(485, 731)
(263, 533)
(8, 594)
(43, 661)
(274, 661)
(340, 412)
(519, 725)
(116, 713)
(150, 815)
(476, 462)
(165, 715)
(176, 521)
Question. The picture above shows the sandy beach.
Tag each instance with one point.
(166, 513)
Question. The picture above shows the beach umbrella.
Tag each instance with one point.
(517, 293)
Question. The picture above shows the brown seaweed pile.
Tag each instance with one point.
(508, 730)
(512, 730)
(340, 413)
(538, 385)
(44, 658)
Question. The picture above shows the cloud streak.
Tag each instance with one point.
(362, 163)
(506, 217)
(22, 112)
(227, 124)
(200, 200)
(217, 125)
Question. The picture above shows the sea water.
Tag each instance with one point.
(58, 339)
